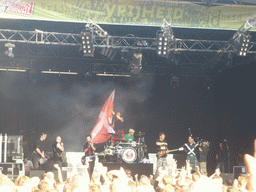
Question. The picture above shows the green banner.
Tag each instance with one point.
(133, 12)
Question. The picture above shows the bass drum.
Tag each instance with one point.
(129, 155)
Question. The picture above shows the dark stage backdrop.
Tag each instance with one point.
(69, 107)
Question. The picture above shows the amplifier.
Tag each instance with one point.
(12, 169)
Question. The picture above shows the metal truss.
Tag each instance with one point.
(39, 37)
(117, 42)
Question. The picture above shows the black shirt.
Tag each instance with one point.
(87, 153)
(56, 152)
(161, 147)
(118, 124)
(39, 145)
(203, 154)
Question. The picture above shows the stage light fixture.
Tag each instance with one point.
(162, 44)
(243, 45)
(87, 44)
(10, 47)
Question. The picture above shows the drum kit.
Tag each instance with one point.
(122, 151)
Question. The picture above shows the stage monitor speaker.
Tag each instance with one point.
(36, 173)
(181, 160)
(239, 170)
(64, 175)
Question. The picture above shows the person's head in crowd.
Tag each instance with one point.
(23, 181)
(169, 188)
(187, 181)
(195, 176)
(132, 184)
(43, 175)
(144, 180)
(43, 136)
(232, 189)
(44, 186)
(95, 188)
(50, 179)
(242, 182)
(167, 179)
(96, 178)
(128, 173)
(228, 182)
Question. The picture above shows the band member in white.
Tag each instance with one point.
(191, 148)
(89, 150)
(39, 152)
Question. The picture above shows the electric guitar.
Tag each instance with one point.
(89, 158)
(44, 160)
(161, 153)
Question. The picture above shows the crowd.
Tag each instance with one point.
(122, 181)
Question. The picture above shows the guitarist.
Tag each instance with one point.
(89, 150)
(39, 152)
(57, 149)
(162, 146)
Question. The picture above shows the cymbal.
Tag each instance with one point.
(140, 134)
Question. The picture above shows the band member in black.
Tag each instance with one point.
(89, 150)
(39, 152)
(57, 149)
(203, 150)
(220, 158)
(162, 146)
(118, 126)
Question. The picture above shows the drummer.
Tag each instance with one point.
(130, 136)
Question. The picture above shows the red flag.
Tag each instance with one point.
(103, 126)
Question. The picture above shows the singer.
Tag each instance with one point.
(89, 150)
(57, 149)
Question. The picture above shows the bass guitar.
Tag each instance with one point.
(89, 158)
(161, 153)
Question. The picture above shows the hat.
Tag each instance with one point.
(131, 130)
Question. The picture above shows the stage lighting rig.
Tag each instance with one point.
(10, 47)
(243, 44)
(87, 44)
(164, 38)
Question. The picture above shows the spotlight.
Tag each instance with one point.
(243, 44)
(162, 44)
(10, 47)
(87, 44)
